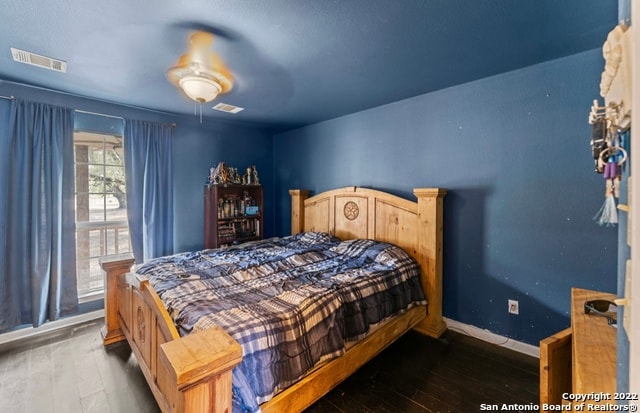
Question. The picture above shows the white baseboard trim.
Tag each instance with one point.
(51, 326)
(489, 337)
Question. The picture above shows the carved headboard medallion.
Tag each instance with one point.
(351, 210)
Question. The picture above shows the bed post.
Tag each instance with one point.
(430, 202)
(113, 266)
(200, 365)
(298, 196)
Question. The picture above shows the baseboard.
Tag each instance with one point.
(489, 337)
(29, 333)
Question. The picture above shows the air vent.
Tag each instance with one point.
(223, 107)
(45, 62)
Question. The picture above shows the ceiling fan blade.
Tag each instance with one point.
(201, 54)
(217, 31)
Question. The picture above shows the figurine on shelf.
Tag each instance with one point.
(255, 179)
(212, 174)
(247, 178)
(220, 174)
(235, 176)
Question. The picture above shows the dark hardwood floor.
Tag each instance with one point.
(457, 373)
(70, 372)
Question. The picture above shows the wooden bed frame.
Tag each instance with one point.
(192, 374)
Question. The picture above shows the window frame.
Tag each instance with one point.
(102, 230)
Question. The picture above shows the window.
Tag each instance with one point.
(100, 203)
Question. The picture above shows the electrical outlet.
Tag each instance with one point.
(514, 307)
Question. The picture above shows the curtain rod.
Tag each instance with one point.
(77, 110)
(108, 116)
(87, 112)
(89, 98)
(99, 114)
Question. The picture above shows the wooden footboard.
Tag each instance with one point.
(312, 387)
(193, 374)
(190, 374)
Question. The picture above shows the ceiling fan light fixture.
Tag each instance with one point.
(200, 73)
(200, 88)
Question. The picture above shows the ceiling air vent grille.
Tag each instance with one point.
(223, 107)
(45, 62)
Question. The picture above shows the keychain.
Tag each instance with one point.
(616, 156)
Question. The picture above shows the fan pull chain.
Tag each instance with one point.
(195, 109)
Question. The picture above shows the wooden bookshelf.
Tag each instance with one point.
(233, 214)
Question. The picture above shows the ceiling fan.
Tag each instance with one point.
(200, 73)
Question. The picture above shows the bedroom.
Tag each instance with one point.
(510, 146)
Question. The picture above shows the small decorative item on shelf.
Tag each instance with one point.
(223, 174)
(251, 176)
(247, 179)
(219, 175)
(256, 181)
(235, 176)
(252, 210)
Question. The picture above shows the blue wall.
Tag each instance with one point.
(513, 150)
(197, 148)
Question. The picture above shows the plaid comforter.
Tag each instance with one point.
(290, 302)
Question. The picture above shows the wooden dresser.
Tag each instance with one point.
(580, 360)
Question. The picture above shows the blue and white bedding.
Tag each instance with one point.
(290, 302)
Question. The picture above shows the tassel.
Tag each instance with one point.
(608, 214)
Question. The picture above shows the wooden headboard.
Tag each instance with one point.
(416, 227)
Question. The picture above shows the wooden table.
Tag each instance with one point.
(581, 360)
(593, 348)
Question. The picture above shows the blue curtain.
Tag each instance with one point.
(37, 222)
(148, 152)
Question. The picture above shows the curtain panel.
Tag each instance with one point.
(37, 221)
(148, 151)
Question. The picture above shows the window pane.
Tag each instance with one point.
(114, 180)
(96, 178)
(114, 156)
(81, 153)
(82, 207)
(83, 267)
(96, 153)
(114, 212)
(95, 276)
(124, 241)
(96, 242)
(96, 207)
(117, 243)
(92, 279)
(82, 243)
